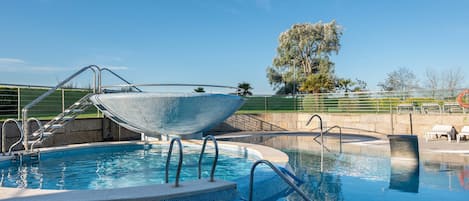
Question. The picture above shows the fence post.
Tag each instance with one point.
(377, 105)
(19, 102)
(63, 100)
(392, 120)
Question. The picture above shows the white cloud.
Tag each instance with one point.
(11, 61)
(14, 65)
(33, 69)
(48, 69)
(117, 67)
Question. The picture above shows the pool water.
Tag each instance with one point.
(118, 166)
(358, 177)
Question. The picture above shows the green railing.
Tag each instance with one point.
(14, 98)
(359, 102)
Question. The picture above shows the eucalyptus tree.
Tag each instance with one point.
(304, 51)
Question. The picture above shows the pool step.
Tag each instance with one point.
(45, 134)
(54, 126)
(68, 111)
(82, 103)
(64, 118)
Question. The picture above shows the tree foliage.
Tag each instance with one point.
(344, 84)
(199, 90)
(244, 89)
(347, 85)
(401, 79)
(449, 79)
(452, 79)
(317, 83)
(304, 51)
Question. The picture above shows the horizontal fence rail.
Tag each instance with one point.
(436, 101)
(14, 97)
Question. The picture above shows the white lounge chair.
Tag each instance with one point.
(430, 107)
(439, 130)
(464, 132)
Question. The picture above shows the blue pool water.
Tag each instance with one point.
(357, 178)
(118, 166)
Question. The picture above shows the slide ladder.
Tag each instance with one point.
(59, 122)
(30, 138)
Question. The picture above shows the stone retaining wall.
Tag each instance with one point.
(365, 123)
(98, 129)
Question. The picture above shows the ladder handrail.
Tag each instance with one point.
(118, 76)
(322, 137)
(4, 136)
(279, 173)
(168, 159)
(94, 68)
(96, 89)
(340, 134)
(214, 164)
(41, 131)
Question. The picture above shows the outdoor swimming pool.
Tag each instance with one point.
(367, 175)
(359, 177)
(108, 167)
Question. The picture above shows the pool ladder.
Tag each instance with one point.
(179, 167)
(18, 157)
(168, 159)
(340, 136)
(4, 138)
(215, 159)
(322, 132)
(279, 173)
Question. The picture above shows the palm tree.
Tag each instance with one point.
(199, 90)
(243, 89)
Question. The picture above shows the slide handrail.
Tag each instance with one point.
(97, 74)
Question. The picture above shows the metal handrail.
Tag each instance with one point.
(322, 137)
(172, 84)
(279, 173)
(4, 136)
(94, 68)
(340, 134)
(214, 164)
(168, 159)
(96, 89)
(118, 76)
(41, 131)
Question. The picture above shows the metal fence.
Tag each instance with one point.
(14, 97)
(422, 101)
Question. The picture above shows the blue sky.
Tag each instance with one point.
(224, 42)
